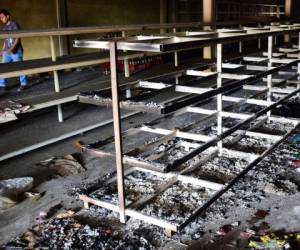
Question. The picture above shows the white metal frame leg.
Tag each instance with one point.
(175, 53)
(269, 81)
(219, 97)
(126, 68)
(298, 85)
(259, 39)
(126, 63)
(240, 42)
(117, 130)
(56, 79)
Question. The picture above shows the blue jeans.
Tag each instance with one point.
(13, 57)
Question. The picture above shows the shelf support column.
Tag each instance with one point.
(269, 79)
(61, 19)
(298, 85)
(209, 14)
(259, 39)
(126, 64)
(288, 14)
(117, 129)
(220, 96)
(175, 53)
(240, 42)
(163, 14)
(56, 79)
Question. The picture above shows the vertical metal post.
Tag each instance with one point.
(117, 129)
(126, 64)
(209, 15)
(288, 14)
(299, 55)
(163, 14)
(298, 85)
(61, 19)
(128, 93)
(175, 53)
(176, 59)
(269, 79)
(56, 79)
(240, 42)
(240, 47)
(259, 39)
(220, 96)
(126, 68)
(177, 79)
(259, 43)
(278, 11)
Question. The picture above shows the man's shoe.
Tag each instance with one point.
(22, 88)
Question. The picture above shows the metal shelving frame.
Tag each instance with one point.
(202, 39)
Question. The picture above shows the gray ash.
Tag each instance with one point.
(177, 202)
(69, 234)
(137, 185)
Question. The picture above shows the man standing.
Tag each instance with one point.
(12, 48)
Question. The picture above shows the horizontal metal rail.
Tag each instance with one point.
(119, 28)
(195, 94)
(170, 43)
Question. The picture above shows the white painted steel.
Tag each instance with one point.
(200, 73)
(269, 78)
(219, 96)
(56, 79)
(153, 85)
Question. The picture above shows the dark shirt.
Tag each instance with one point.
(8, 42)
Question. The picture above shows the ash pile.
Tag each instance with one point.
(83, 230)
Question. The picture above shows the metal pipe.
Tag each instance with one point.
(117, 129)
(56, 79)
(175, 53)
(288, 13)
(219, 96)
(126, 68)
(240, 42)
(163, 14)
(298, 85)
(299, 55)
(269, 78)
(126, 64)
(58, 6)
(208, 16)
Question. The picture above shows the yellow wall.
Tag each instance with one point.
(36, 14)
(33, 14)
(108, 12)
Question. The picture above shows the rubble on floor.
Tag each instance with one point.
(13, 190)
(64, 166)
(260, 230)
(13, 187)
(9, 110)
(275, 171)
(66, 231)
